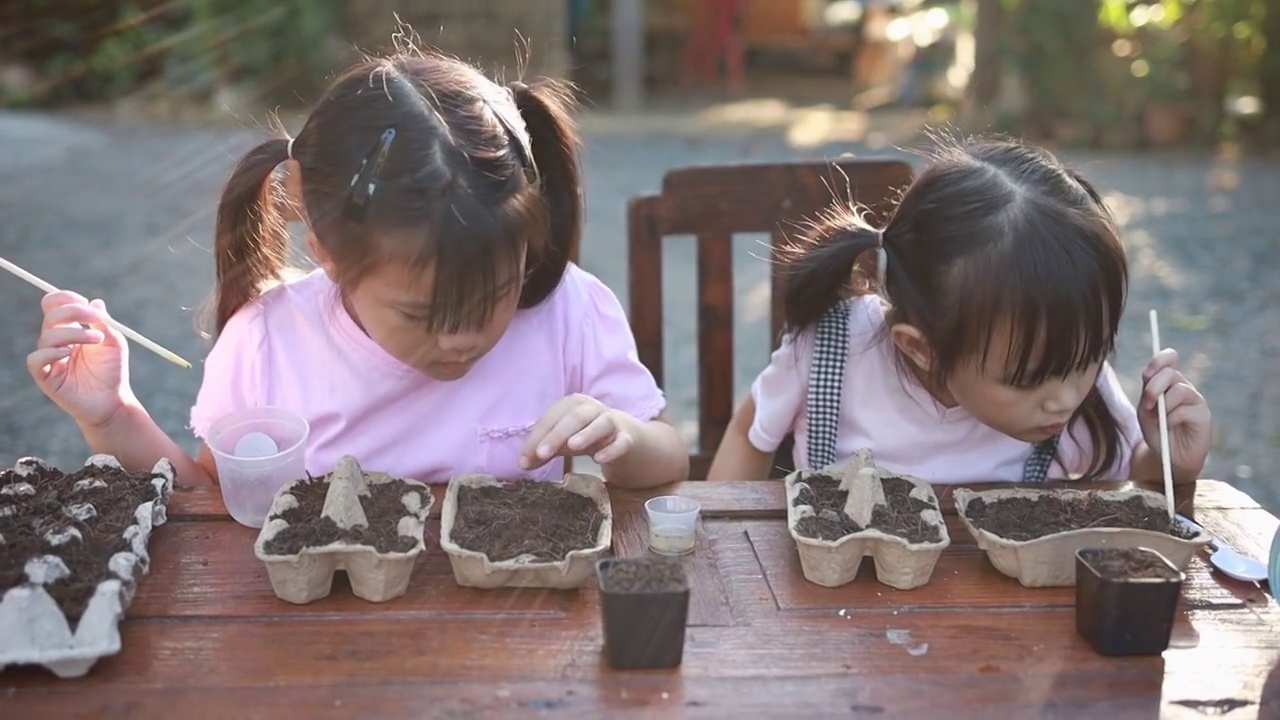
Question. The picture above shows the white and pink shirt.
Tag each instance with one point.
(907, 430)
(296, 347)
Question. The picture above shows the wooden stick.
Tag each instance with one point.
(1164, 422)
(126, 331)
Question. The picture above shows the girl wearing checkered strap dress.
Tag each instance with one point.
(967, 340)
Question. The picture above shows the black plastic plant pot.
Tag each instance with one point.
(1126, 599)
(644, 602)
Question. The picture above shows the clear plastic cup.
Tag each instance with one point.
(250, 475)
(673, 521)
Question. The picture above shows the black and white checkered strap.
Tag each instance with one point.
(826, 381)
(1036, 469)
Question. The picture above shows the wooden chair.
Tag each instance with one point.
(713, 203)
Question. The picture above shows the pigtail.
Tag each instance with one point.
(251, 240)
(553, 140)
(821, 266)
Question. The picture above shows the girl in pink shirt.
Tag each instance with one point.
(445, 331)
(967, 340)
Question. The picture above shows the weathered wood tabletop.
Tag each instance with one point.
(205, 636)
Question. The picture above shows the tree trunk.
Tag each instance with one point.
(987, 64)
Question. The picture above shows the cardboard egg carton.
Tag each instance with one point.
(475, 569)
(1050, 561)
(35, 631)
(375, 576)
(898, 563)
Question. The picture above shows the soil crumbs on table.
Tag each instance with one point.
(383, 508)
(644, 575)
(525, 517)
(1021, 518)
(899, 516)
(44, 514)
(1128, 563)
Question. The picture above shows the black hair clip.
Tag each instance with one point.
(365, 181)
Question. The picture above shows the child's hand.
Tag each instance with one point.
(1189, 420)
(82, 370)
(578, 425)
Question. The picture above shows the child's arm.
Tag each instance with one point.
(737, 458)
(138, 444)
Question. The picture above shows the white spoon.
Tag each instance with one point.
(1226, 559)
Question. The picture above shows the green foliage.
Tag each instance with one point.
(88, 50)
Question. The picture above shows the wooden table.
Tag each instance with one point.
(206, 637)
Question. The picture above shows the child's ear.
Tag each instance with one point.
(910, 342)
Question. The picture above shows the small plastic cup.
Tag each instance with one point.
(249, 473)
(673, 521)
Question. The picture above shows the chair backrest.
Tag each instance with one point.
(712, 203)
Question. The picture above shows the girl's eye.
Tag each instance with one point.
(416, 319)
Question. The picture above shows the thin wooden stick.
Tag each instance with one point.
(1164, 422)
(126, 331)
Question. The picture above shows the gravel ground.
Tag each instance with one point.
(124, 211)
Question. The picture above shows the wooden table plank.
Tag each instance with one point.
(1124, 693)
(319, 651)
(208, 569)
(1127, 691)
(708, 601)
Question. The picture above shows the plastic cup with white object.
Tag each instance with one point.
(673, 522)
(257, 451)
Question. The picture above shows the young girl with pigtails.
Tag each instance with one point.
(446, 329)
(978, 348)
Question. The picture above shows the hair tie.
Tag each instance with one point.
(516, 87)
(882, 258)
(288, 150)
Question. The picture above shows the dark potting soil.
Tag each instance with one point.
(1128, 563)
(899, 516)
(383, 508)
(26, 518)
(647, 574)
(1020, 518)
(525, 517)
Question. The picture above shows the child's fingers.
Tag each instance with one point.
(541, 428)
(1166, 358)
(40, 363)
(600, 430)
(73, 314)
(1159, 384)
(620, 446)
(58, 298)
(69, 335)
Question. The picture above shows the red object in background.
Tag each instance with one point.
(717, 31)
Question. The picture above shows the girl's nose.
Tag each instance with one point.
(460, 342)
(1062, 399)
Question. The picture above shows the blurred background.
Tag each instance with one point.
(119, 121)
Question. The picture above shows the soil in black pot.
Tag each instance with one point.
(1020, 518)
(525, 517)
(383, 507)
(1129, 563)
(44, 520)
(899, 516)
(644, 575)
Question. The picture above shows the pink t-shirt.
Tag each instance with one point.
(905, 428)
(296, 347)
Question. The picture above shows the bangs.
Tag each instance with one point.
(1055, 304)
(475, 252)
